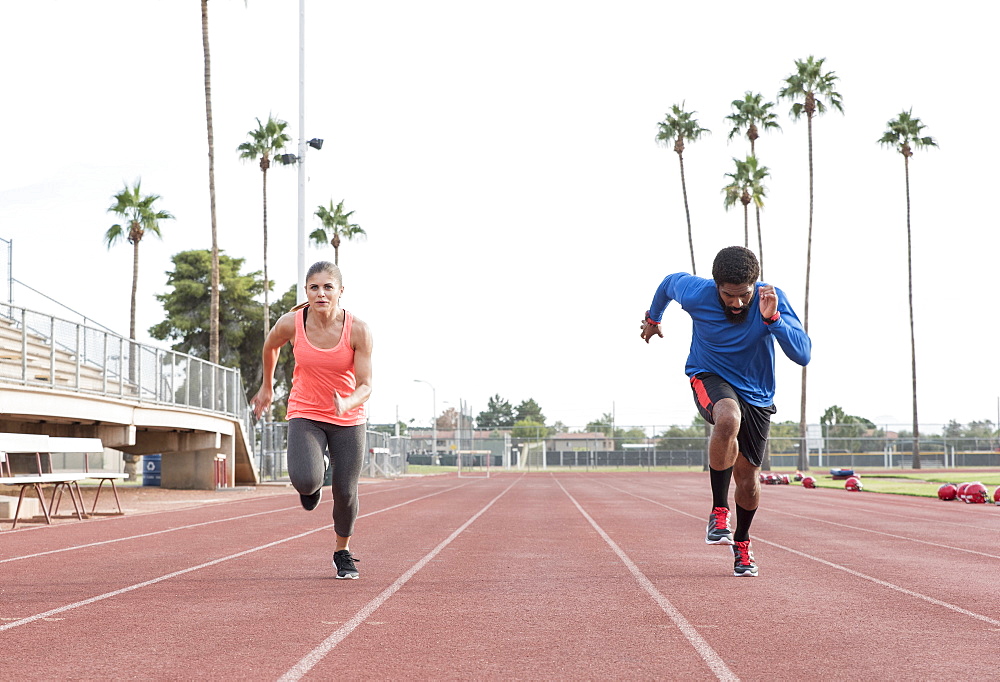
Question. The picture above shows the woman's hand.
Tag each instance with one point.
(262, 401)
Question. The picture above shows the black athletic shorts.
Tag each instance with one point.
(755, 422)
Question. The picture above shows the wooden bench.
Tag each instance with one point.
(62, 481)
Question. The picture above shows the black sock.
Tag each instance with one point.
(720, 486)
(744, 517)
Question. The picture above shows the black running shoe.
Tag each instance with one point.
(743, 562)
(344, 562)
(718, 532)
(310, 502)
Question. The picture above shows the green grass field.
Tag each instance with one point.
(913, 483)
(903, 482)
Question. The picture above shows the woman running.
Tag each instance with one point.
(326, 412)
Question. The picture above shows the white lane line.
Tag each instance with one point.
(316, 655)
(857, 507)
(704, 649)
(857, 574)
(107, 595)
(888, 535)
(891, 586)
(142, 535)
(166, 530)
(196, 503)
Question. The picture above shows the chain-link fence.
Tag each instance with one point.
(886, 446)
(385, 455)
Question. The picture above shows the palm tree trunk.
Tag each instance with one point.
(135, 287)
(913, 339)
(131, 321)
(760, 244)
(213, 338)
(746, 227)
(267, 308)
(803, 444)
(687, 214)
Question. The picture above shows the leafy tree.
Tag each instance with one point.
(449, 420)
(815, 88)
(785, 437)
(529, 410)
(264, 143)
(286, 361)
(138, 217)
(746, 184)
(213, 351)
(844, 430)
(390, 428)
(903, 134)
(186, 322)
(679, 125)
(529, 429)
(985, 433)
(633, 435)
(498, 414)
(604, 424)
(336, 223)
(691, 437)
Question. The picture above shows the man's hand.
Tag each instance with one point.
(649, 329)
(768, 301)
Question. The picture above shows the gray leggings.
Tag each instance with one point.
(307, 441)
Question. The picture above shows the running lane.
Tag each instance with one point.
(527, 590)
(906, 585)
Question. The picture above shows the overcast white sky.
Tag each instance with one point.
(501, 157)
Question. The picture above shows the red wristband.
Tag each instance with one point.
(771, 320)
(650, 320)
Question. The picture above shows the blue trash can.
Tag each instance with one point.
(151, 469)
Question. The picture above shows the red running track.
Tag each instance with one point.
(537, 576)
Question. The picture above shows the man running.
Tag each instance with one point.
(736, 320)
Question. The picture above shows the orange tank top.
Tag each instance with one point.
(321, 371)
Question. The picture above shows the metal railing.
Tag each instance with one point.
(41, 350)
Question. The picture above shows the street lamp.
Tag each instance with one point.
(434, 428)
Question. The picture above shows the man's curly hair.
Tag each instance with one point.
(735, 265)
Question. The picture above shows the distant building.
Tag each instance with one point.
(571, 442)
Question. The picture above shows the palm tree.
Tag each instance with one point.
(336, 224)
(677, 126)
(213, 345)
(746, 185)
(810, 84)
(264, 143)
(138, 217)
(738, 190)
(902, 134)
(752, 114)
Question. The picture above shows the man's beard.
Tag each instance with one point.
(737, 318)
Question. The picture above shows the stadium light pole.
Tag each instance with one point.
(300, 296)
(315, 143)
(434, 429)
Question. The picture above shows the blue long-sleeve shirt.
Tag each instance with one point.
(740, 353)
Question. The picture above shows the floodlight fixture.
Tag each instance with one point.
(316, 143)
